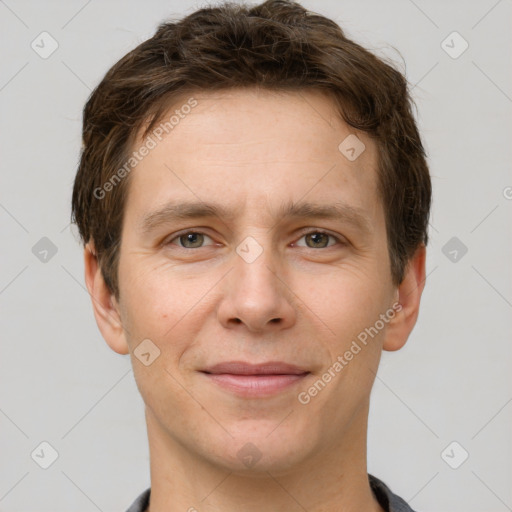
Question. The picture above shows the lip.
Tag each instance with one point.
(255, 380)
(243, 368)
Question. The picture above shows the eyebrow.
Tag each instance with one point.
(301, 210)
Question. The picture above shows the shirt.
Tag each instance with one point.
(387, 500)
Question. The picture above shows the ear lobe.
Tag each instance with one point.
(106, 310)
(409, 296)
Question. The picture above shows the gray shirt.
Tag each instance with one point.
(388, 501)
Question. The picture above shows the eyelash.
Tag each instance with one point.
(303, 234)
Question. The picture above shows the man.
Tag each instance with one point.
(253, 198)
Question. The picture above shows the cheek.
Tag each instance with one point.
(350, 308)
(167, 309)
(150, 291)
(347, 299)
(164, 394)
(148, 309)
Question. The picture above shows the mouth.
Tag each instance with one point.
(249, 380)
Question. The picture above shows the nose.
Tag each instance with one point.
(256, 293)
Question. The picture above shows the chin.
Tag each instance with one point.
(263, 450)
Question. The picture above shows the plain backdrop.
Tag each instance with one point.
(444, 397)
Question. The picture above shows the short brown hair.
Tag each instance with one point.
(277, 45)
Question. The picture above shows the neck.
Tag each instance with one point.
(332, 480)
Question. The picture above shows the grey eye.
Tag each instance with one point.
(317, 239)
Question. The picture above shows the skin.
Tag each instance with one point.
(252, 150)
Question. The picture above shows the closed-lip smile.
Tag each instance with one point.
(254, 380)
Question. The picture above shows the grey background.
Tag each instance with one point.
(59, 381)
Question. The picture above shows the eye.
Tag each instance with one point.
(189, 240)
(315, 239)
(318, 239)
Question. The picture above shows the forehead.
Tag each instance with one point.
(248, 147)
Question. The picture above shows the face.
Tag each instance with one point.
(256, 305)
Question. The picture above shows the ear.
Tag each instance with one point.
(106, 309)
(409, 295)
